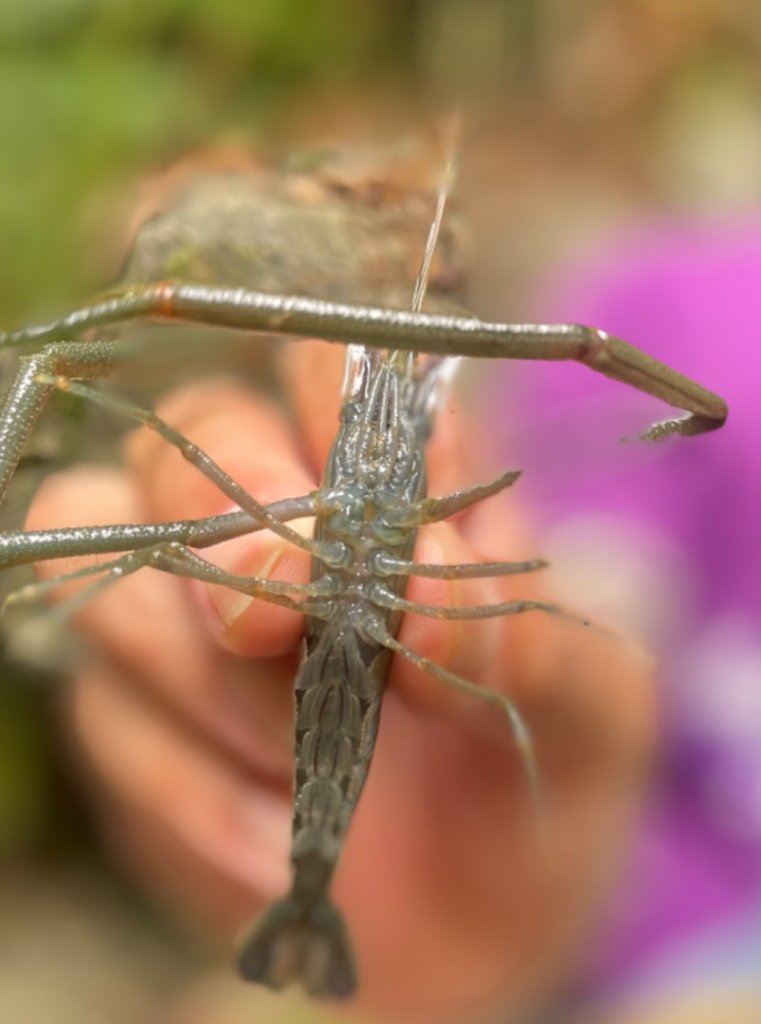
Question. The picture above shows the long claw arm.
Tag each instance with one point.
(382, 328)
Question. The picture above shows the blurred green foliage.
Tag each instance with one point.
(24, 768)
(93, 91)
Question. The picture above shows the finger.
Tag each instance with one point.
(312, 374)
(585, 695)
(247, 436)
(445, 834)
(243, 432)
(457, 455)
(466, 648)
(148, 624)
(178, 877)
(216, 824)
(511, 654)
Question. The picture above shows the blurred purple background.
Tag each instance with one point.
(691, 296)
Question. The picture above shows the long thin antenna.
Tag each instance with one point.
(434, 376)
(448, 176)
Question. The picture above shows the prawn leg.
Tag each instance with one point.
(390, 566)
(298, 316)
(177, 560)
(30, 389)
(22, 548)
(433, 510)
(385, 598)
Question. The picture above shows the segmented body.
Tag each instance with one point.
(376, 465)
(375, 469)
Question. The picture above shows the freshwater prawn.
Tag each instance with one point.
(368, 508)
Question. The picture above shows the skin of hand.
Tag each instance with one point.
(183, 720)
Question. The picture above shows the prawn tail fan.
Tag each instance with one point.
(300, 942)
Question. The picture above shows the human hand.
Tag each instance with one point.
(185, 718)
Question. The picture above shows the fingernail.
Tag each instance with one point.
(231, 604)
(257, 557)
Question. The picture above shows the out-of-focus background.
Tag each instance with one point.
(611, 166)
